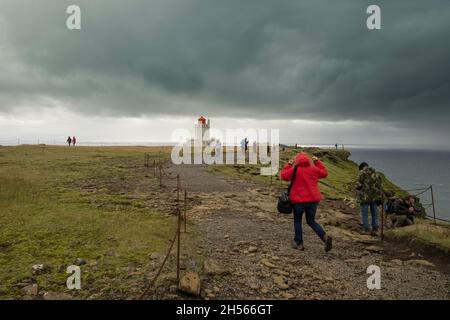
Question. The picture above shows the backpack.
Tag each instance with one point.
(390, 206)
(284, 203)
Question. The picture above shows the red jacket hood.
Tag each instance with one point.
(302, 160)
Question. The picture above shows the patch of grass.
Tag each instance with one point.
(426, 231)
(46, 218)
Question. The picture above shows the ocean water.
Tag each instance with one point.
(413, 169)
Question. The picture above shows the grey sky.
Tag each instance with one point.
(256, 59)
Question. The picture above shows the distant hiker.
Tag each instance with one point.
(402, 211)
(255, 146)
(369, 187)
(246, 144)
(69, 140)
(336, 145)
(243, 144)
(74, 140)
(305, 196)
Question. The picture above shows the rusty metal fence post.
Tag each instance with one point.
(178, 231)
(382, 216)
(432, 202)
(185, 209)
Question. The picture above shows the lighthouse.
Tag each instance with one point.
(202, 130)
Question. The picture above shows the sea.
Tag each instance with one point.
(413, 170)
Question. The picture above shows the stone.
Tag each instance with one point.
(375, 249)
(80, 262)
(226, 236)
(56, 296)
(281, 272)
(31, 290)
(275, 258)
(216, 289)
(190, 283)
(38, 268)
(212, 267)
(252, 249)
(419, 262)
(173, 289)
(254, 286)
(397, 262)
(287, 295)
(155, 255)
(281, 282)
(267, 263)
(264, 290)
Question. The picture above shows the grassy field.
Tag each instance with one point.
(60, 204)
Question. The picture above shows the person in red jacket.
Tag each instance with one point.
(74, 140)
(305, 196)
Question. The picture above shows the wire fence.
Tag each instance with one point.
(181, 210)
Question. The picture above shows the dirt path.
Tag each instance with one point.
(247, 244)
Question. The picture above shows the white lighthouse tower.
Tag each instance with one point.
(202, 131)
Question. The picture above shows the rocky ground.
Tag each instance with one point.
(246, 244)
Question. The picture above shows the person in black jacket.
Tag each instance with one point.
(404, 211)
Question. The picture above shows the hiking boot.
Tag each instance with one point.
(328, 243)
(374, 233)
(297, 246)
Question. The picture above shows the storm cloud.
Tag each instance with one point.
(260, 59)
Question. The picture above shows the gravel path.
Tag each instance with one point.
(248, 243)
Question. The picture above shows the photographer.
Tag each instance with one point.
(404, 212)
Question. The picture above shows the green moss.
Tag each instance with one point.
(46, 217)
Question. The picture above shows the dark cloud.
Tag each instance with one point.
(285, 59)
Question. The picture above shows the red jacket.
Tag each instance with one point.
(306, 184)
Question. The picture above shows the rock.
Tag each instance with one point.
(418, 262)
(110, 253)
(353, 260)
(209, 294)
(374, 249)
(80, 262)
(155, 255)
(38, 268)
(173, 289)
(212, 267)
(226, 236)
(267, 263)
(397, 262)
(281, 272)
(31, 290)
(253, 286)
(287, 295)
(281, 282)
(264, 290)
(216, 289)
(275, 258)
(252, 249)
(190, 283)
(56, 296)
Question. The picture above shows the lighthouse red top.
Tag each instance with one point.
(201, 120)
